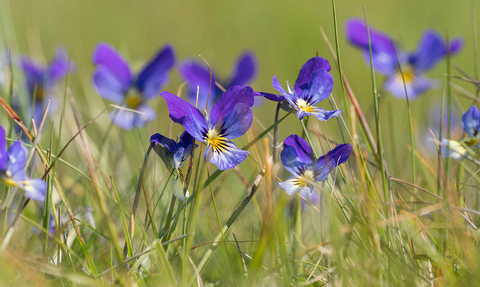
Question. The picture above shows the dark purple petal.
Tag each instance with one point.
(34, 72)
(197, 74)
(108, 86)
(471, 122)
(3, 149)
(228, 158)
(430, 50)
(305, 74)
(16, 161)
(35, 189)
(186, 140)
(163, 141)
(383, 52)
(245, 70)
(292, 162)
(319, 113)
(271, 97)
(59, 66)
(302, 149)
(196, 125)
(129, 120)
(105, 55)
(177, 107)
(416, 86)
(236, 123)
(289, 97)
(227, 102)
(333, 158)
(155, 74)
(318, 89)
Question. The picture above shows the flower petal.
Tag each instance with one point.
(34, 72)
(196, 125)
(228, 157)
(329, 161)
(16, 161)
(271, 97)
(471, 122)
(245, 70)
(416, 86)
(35, 189)
(302, 149)
(177, 107)
(456, 150)
(291, 161)
(163, 141)
(105, 55)
(305, 74)
(59, 66)
(227, 102)
(319, 113)
(293, 185)
(236, 123)
(177, 189)
(318, 89)
(430, 50)
(383, 52)
(154, 75)
(456, 45)
(129, 120)
(108, 86)
(3, 149)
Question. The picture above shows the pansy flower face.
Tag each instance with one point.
(297, 157)
(230, 117)
(12, 165)
(174, 155)
(313, 85)
(430, 50)
(197, 74)
(41, 78)
(113, 79)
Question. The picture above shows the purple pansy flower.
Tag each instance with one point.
(298, 159)
(430, 50)
(41, 79)
(174, 155)
(313, 85)
(12, 164)
(114, 81)
(230, 118)
(197, 74)
(471, 125)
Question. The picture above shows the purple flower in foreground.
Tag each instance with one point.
(174, 155)
(298, 159)
(313, 85)
(230, 117)
(41, 79)
(430, 50)
(197, 74)
(114, 81)
(12, 164)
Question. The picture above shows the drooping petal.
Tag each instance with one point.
(277, 86)
(35, 189)
(293, 185)
(292, 162)
(471, 121)
(227, 102)
(329, 161)
(59, 66)
(416, 85)
(236, 123)
(305, 74)
(108, 86)
(226, 157)
(383, 51)
(155, 74)
(16, 161)
(318, 89)
(196, 125)
(105, 55)
(3, 149)
(163, 141)
(129, 120)
(177, 107)
(245, 70)
(430, 50)
(302, 148)
(271, 97)
(319, 113)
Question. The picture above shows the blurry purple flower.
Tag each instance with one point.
(114, 81)
(41, 79)
(174, 155)
(298, 159)
(471, 126)
(12, 164)
(230, 117)
(430, 50)
(197, 74)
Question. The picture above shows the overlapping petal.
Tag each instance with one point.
(292, 185)
(319, 88)
(292, 162)
(326, 163)
(197, 74)
(227, 102)
(302, 149)
(196, 125)
(430, 50)
(245, 70)
(108, 86)
(236, 123)
(164, 142)
(105, 55)
(307, 70)
(178, 108)
(229, 157)
(471, 122)
(155, 74)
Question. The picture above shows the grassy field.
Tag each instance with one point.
(404, 217)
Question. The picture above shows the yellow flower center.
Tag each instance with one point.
(133, 99)
(304, 106)
(39, 93)
(306, 178)
(408, 75)
(217, 142)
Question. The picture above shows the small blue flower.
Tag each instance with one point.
(174, 156)
(230, 117)
(114, 81)
(430, 50)
(197, 74)
(298, 159)
(471, 125)
(42, 78)
(12, 164)
(313, 85)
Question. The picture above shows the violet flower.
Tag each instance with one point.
(313, 85)
(430, 50)
(230, 117)
(297, 157)
(114, 81)
(42, 78)
(471, 125)
(197, 74)
(12, 164)
(174, 155)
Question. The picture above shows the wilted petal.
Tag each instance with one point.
(226, 157)
(108, 86)
(245, 70)
(35, 189)
(128, 120)
(227, 102)
(329, 161)
(471, 121)
(305, 74)
(105, 55)
(155, 74)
